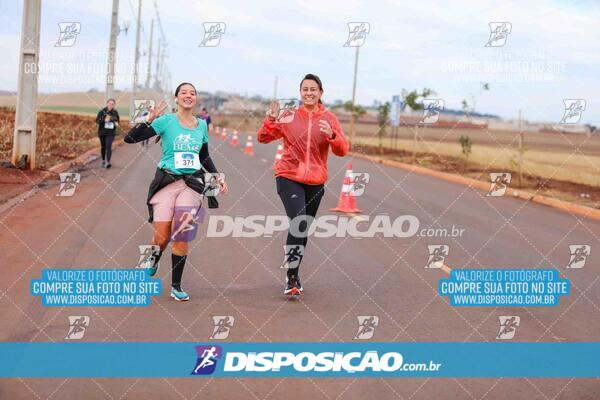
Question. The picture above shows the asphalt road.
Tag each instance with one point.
(102, 225)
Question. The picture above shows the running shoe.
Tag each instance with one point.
(103, 163)
(293, 286)
(179, 295)
(108, 165)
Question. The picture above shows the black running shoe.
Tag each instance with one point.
(293, 286)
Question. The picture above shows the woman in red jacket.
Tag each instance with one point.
(302, 169)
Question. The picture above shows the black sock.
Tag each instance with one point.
(178, 264)
(157, 257)
(292, 272)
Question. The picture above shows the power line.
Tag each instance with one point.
(134, 13)
(163, 74)
(160, 27)
(132, 9)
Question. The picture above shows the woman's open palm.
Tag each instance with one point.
(155, 112)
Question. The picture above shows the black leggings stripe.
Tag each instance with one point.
(299, 199)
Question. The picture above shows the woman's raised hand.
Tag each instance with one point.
(273, 111)
(155, 112)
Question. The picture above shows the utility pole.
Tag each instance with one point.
(156, 84)
(24, 138)
(521, 151)
(161, 71)
(137, 49)
(275, 89)
(351, 133)
(149, 56)
(112, 51)
(159, 83)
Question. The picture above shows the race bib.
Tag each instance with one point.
(187, 160)
(109, 125)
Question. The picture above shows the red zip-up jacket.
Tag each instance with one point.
(305, 147)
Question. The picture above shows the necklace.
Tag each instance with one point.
(187, 124)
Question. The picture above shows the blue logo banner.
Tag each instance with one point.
(326, 360)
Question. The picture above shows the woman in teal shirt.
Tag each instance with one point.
(178, 187)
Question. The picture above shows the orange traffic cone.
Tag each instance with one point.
(279, 153)
(217, 131)
(234, 139)
(224, 134)
(347, 203)
(249, 146)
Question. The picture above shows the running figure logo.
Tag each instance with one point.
(499, 32)
(206, 362)
(431, 110)
(148, 253)
(68, 183)
(293, 255)
(366, 326)
(508, 327)
(183, 139)
(437, 255)
(357, 33)
(186, 220)
(222, 326)
(573, 111)
(211, 183)
(77, 326)
(140, 108)
(286, 111)
(212, 34)
(358, 184)
(68, 33)
(579, 255)
(499, 183)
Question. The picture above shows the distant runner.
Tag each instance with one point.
(206, 117)
(302, 170)
(108, 122)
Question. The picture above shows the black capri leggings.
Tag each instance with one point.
(106, 146)
(299, 199)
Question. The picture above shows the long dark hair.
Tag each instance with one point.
(183, 84)
(313, 77)
(176, 93)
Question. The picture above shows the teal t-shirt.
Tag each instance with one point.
(180, 146)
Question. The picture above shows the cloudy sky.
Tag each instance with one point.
(552, 52)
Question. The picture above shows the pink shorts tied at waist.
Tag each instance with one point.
(174, 195)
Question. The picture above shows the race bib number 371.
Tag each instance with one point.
(187, 159)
